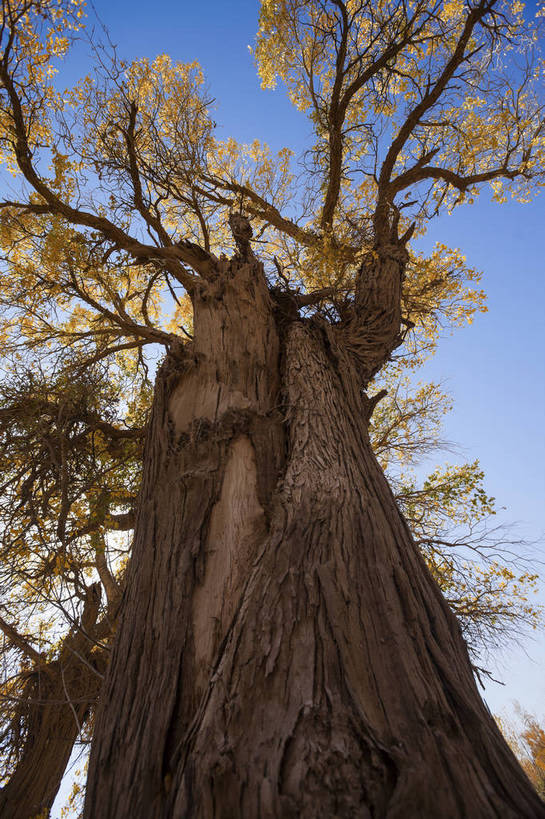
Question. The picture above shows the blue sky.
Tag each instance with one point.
(493, 369)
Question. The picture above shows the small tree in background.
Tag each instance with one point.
(527, 739)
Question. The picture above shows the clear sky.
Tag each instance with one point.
(493, 369)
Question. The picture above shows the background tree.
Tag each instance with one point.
(61, 571)
(528, 742)
(141, 198)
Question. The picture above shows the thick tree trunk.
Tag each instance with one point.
(283, 650)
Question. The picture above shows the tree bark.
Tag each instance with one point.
(283, 650)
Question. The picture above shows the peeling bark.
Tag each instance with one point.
(283, 650)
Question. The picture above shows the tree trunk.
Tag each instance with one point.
(56, 703)
(283, 650)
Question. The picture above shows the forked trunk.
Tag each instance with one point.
(283, 650)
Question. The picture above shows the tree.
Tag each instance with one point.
(40, 567)
(65, 434)
(275, 595)
(528, 743)
(55, 510)
(57, 553)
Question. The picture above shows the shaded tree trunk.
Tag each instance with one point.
(55, 705)
(283, 650)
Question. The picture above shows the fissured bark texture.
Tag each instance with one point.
(283, 650)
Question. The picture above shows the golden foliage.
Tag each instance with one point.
(526, 737)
